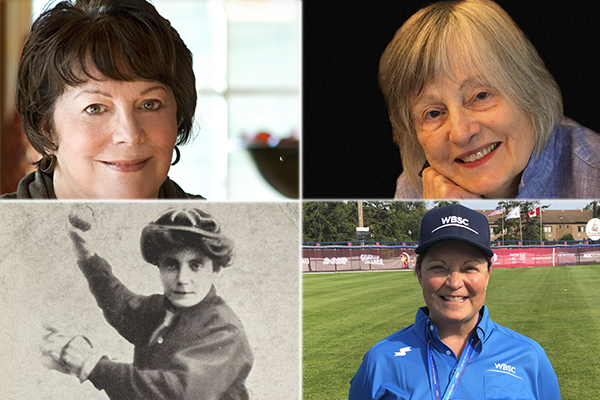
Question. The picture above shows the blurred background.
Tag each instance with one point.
(247, 122)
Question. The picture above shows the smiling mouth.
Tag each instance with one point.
(126, 166)
(454, 299)
(479, 154)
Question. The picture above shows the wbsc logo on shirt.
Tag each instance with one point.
(506, 369)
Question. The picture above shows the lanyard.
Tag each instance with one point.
(458, 371)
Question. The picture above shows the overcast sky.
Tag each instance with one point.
(554, 204)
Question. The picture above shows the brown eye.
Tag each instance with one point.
(151, 105)
(95, 109)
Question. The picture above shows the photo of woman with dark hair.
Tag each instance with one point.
(150, 301)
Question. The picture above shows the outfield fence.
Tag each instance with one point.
(396, 257)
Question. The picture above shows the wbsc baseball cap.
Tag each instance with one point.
(455, 222)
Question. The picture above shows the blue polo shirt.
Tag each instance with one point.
(504, 365)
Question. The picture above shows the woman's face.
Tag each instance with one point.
(187, 275)
(472, 135)
(454, 276)
(115, 139)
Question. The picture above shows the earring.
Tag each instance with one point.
(177, 156)
(48, 163)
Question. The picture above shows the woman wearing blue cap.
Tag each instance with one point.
(189, 344)
(454, 350)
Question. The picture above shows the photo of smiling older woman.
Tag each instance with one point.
(106, 93)
(476, 113)
(153, 301)
(454, 349)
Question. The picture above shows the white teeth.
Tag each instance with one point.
(451, 298)
(480, 153)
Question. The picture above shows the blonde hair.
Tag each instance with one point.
(479, 36)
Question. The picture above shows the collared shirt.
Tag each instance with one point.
(504, 365)
(567, 168)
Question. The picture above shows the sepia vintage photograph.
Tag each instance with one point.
(149, 300)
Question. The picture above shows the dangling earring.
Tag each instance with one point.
(48, 163)
(177, 156)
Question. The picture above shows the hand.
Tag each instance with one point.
(75, 354)
(64, 353)
(51, 347)
(81, 220)
(82, 217)
(437, 186)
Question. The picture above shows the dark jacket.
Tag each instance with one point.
(38, 185)
(204, 354)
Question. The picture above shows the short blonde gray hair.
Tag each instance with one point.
(484, 39)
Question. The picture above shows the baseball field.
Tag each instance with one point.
(344, 314)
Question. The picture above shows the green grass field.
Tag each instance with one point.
(344, 314)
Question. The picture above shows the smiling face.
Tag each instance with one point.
(454, 276)
(473, 135)
(187, 276)
(115, 139)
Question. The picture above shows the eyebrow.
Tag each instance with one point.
(434, 260)
(422, 97)
(156, 87)
(106, 94)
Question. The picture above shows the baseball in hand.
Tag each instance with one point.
(82, 217)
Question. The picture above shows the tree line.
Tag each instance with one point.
(398, 221)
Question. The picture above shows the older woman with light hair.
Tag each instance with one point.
(476, 113)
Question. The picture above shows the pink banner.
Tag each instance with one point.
(357, 259)
(384, 258)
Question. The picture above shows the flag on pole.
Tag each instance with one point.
(516, 213)
(497, 211)
(534, 213)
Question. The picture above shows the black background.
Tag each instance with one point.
(348, 152)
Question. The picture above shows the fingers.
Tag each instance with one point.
(75, 353)
(51, 347)
(438, 186)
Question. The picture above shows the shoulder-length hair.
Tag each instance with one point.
(123, 40)
(479, 36)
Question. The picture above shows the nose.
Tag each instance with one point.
(128, 128)
(464, 127)
(184, 277)
(454, 280)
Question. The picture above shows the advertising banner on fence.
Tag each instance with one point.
(373, 258)
(357, 259)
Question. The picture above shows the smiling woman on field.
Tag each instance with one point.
(106, 92)
(476, 113)
(454, 349)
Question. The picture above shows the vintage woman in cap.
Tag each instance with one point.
(188, 343)
(454, 349)
(476, 113)
(106, 92)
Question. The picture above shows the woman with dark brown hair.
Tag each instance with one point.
(106, 92)
(188, 343)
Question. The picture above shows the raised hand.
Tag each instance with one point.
(437, 186)
(81, 219)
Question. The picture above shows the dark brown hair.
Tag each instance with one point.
(188, 227)
(124, 40)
